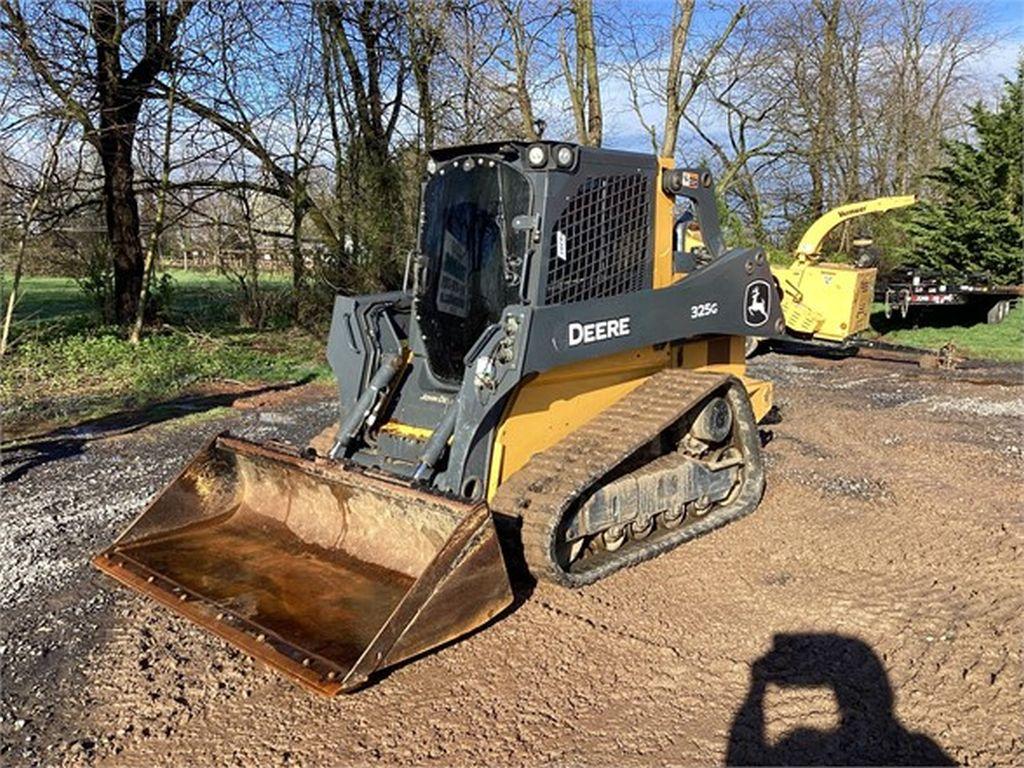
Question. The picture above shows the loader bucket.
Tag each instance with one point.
(324, 573)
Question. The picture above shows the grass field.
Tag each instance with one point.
(1003, 341)
(202, 298)
(66, 366)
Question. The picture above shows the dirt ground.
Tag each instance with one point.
(869, 612)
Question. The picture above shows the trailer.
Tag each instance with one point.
(909, 291)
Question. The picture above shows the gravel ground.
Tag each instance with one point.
(868, 613)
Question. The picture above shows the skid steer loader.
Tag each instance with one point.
(555, 363)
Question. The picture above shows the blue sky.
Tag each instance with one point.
(1006, 19)
(1007, 13)
(1003, 20)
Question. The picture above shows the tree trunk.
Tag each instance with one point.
(588, 50)
(575, 88)
(673, 84)
(424, 43)
(823, 120)
(119, 96)
(298, 261)
(583, 84)
(152, 247)
(12, 298)
(116, 141)
(49, 169)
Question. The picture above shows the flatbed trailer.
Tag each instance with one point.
(911, 292)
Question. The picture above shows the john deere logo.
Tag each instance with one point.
(757, 303)
(601, 330)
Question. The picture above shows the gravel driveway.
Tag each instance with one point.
(869, 612)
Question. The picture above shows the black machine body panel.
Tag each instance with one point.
(364, 329)
(531, 256)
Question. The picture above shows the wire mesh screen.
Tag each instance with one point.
(599, 246)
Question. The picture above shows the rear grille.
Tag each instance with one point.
(599, 246)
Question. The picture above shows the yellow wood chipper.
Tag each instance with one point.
(827, 300)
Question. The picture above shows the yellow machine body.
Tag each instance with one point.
(554, 404)
(547, 408)
(826, 300)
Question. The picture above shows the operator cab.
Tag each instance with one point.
(470, 256)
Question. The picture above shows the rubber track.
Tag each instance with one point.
(542, 491)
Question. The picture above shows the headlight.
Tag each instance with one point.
(564, 157)
(537, 155)
(431, 166)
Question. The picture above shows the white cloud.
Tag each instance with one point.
(999, 60)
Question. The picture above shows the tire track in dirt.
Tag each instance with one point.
(889, 525)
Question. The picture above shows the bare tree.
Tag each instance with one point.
(921, 67)
(119, 95)
(153, 242)
(302, 89)
(251, 117)
(28, 216)
(427, 21)
(809, 105)
(672, 86)
(524, 39)
(678, 98)
(749, 145)
(365, 43)
(582, 81)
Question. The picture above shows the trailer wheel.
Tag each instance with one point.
(904, 303)
(998, 312)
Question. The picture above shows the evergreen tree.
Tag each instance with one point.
(976, 223)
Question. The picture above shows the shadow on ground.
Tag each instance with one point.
(953, 316)
(23, 455)
(510, 538)
(868, 732)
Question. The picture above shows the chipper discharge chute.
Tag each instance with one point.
(560, 364)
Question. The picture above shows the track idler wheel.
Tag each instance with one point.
(641, 528)
(613, 538)
(673, 518)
